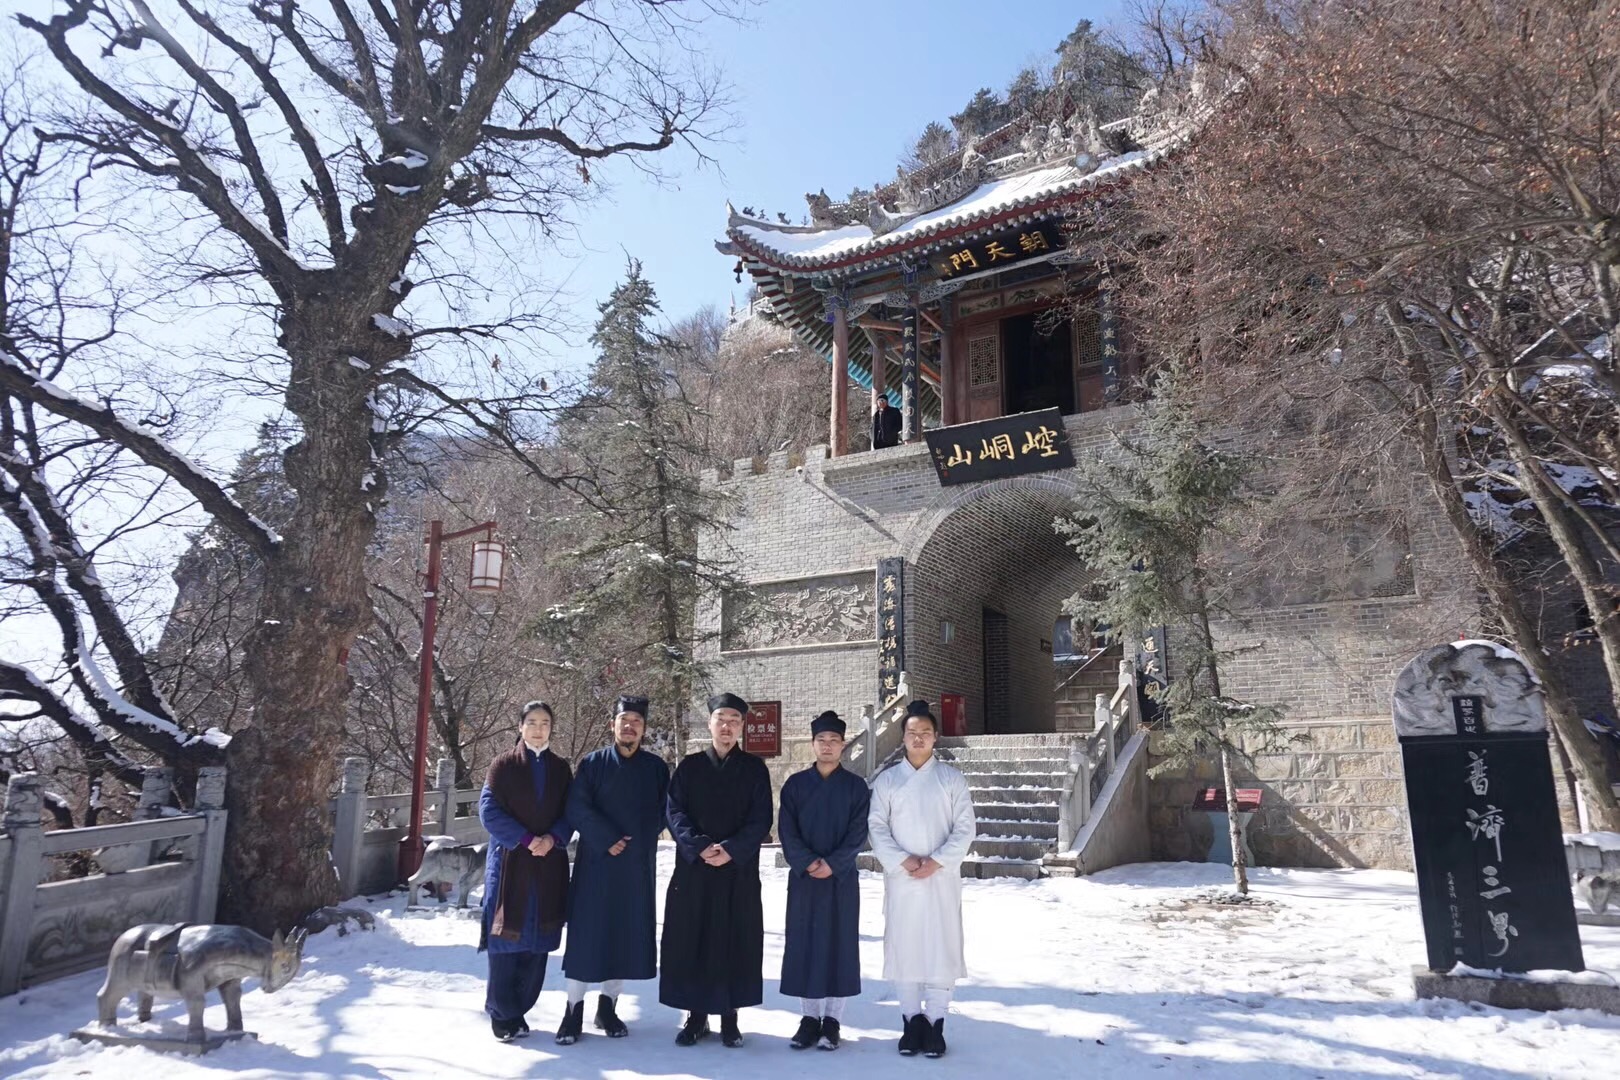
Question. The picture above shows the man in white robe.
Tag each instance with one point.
(921, 827)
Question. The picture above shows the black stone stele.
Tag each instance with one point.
(1487, 842)
(1014, 445)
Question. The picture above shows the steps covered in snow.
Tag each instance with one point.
(1016, 782)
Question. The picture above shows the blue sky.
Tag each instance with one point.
(827, 93)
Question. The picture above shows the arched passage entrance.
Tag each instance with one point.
(987, 581)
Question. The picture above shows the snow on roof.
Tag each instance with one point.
(800, 247)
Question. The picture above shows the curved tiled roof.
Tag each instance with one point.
(793, 248)
(809, 249)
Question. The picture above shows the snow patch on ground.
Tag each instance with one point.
(1119, 975)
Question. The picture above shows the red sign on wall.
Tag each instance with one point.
(952, 714)
(762, 729)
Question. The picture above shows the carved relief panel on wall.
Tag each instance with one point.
(806, 611)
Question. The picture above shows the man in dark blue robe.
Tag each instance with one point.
(714, 924)
(617, 804)
(525, 870)
(823, 827)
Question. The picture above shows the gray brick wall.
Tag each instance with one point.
(1330, 664)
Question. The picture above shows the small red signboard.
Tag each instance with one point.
(1248, 799)
(762, 730)
(952, 714)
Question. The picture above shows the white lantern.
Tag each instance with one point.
(488, 566)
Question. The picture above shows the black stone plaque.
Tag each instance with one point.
(1009, 247)
(1005, 446)
(1493, 883)
(910, 392)
(891, 626)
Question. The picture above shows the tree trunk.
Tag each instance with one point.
(1568, 533)
(282, 769)
(1582, 748)
(1240, 872)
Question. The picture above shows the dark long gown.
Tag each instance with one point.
(612, 908)
(714, 924)
(823, 818)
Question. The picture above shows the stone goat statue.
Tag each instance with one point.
(450, 862)
(158, 960)
(1597, 890)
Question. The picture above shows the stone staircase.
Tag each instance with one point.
(1075, 697)
(1016, 782)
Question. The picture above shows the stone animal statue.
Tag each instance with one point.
(163, 960)
(448, 861)
(1596, 889)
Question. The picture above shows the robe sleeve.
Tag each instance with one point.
(744, 846)
(964, 826)
(883, 846)
(595, 831)
(663, 798)
(842, 858)
(505, 828)
(689, 843)
(561, 831)
(798, 856)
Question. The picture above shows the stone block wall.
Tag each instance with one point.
(1335, 798)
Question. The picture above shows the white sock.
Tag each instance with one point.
(911, 997)
(833, 1008)
(811, 1007)
(937, 1002)
(613, 988)
(576, 992)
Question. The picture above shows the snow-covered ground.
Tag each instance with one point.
(1120, 975)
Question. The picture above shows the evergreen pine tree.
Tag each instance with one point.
(635, 434)
(1149, 523)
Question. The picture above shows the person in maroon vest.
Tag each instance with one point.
(525, 871)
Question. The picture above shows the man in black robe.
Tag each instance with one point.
(714, 924)
(887, 423)
(617, 804)
(823, 828)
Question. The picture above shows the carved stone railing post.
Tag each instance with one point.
(1076, 800)
(444, 786)
(210, 805)
(20, 866)
(864, 738)
(1103, 720)
(1133, 707)
(156, 783)
(349, 825)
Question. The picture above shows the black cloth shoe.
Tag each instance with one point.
(934, 1038)
(573, 1023)
(729, 1033)
(607, 1019)
(522, 1029)
(912, 1038)
(829, 1034)
(695, 1028)
(809, 1031)
(504, 1030)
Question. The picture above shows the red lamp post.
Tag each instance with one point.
(488, 568)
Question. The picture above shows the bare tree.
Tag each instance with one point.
(1398, 218)
(88, 677)
(410, 126)
(756, 389)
